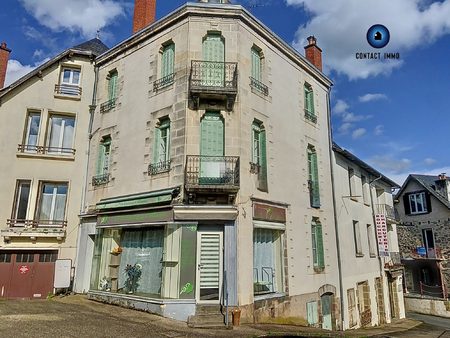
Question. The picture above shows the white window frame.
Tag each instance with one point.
(53, 201)
(71, 77)
(28, 130)
(18, 193)
(59, 148)
(413, 199)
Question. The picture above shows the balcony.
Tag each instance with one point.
(33, 229)
(310, 116)
(213, 81)
(259, 86)
(70, 90)
(163, 82)
(108, 105)
(27, 148)
(100, 179)
(159, 167)
(388, 211)
(212, 174)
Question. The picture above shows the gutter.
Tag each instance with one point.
(336, 228)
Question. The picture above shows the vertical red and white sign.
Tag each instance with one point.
(382, 237)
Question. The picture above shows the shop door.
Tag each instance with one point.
(326, 301)
(209, 266)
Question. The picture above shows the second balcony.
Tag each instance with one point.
(213, 81)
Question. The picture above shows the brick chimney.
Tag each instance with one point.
(144, 14)
(4, 57)
(313, 53)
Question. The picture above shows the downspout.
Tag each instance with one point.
(336, 229)
(91, 121)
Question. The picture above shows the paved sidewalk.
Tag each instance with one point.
(75, 316)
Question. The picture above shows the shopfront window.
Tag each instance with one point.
(148, 262)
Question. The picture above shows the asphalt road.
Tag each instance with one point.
(432, 327)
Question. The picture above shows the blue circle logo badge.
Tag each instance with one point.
(378, 36)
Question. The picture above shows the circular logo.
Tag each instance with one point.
(378, 36)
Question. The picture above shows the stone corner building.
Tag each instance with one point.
(202, 121)
(423, 205)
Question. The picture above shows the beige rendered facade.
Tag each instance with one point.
(209, 173)
(45, 118)
(371, 274)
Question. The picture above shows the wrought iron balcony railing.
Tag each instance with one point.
(310, 116)
(389, 211)
(163, 82)
(212, 172)
(108, 105)
(27, 148)
(259, 86)
(100, 179)
(213, 76)
(159, 167)
(27, 223)
(64, 89)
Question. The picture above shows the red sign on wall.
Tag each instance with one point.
(383, 244)
(23, 269)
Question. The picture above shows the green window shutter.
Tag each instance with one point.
(256, 64)
(256, 143)
(212, 135)
(112, 86)
(214, 50)
(167, 60)
(313, 179)
(309, 99)
(262, 178)
(319, 240)
(156, 145)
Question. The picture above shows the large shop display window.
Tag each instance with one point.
(148, 262)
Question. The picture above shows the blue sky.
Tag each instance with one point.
(392, 114)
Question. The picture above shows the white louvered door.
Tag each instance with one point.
(209, 266)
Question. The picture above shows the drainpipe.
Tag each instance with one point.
(336, 229)
(91, 121)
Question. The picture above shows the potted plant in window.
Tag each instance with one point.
(134, 273)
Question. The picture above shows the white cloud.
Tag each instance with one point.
(372, 97)
(379, 129)
(429, 161)
(341, 27)
(340, 107)
(357, 133)
(390, 164)
(16, 70)
(84, 16)
(350, 117)
(345, 128)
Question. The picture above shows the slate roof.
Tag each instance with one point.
(349, 156)
(429, 184)
(96, 46)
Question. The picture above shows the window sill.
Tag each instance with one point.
(373, 256)
(359, 255)
(418, 213)
(68, 97)
(355, 199)
(58, 157)
(319, 269)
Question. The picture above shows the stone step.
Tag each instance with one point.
(208, 309)
(207, 320)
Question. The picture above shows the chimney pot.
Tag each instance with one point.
(144, 14)
(4, 57)
(313, 53)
